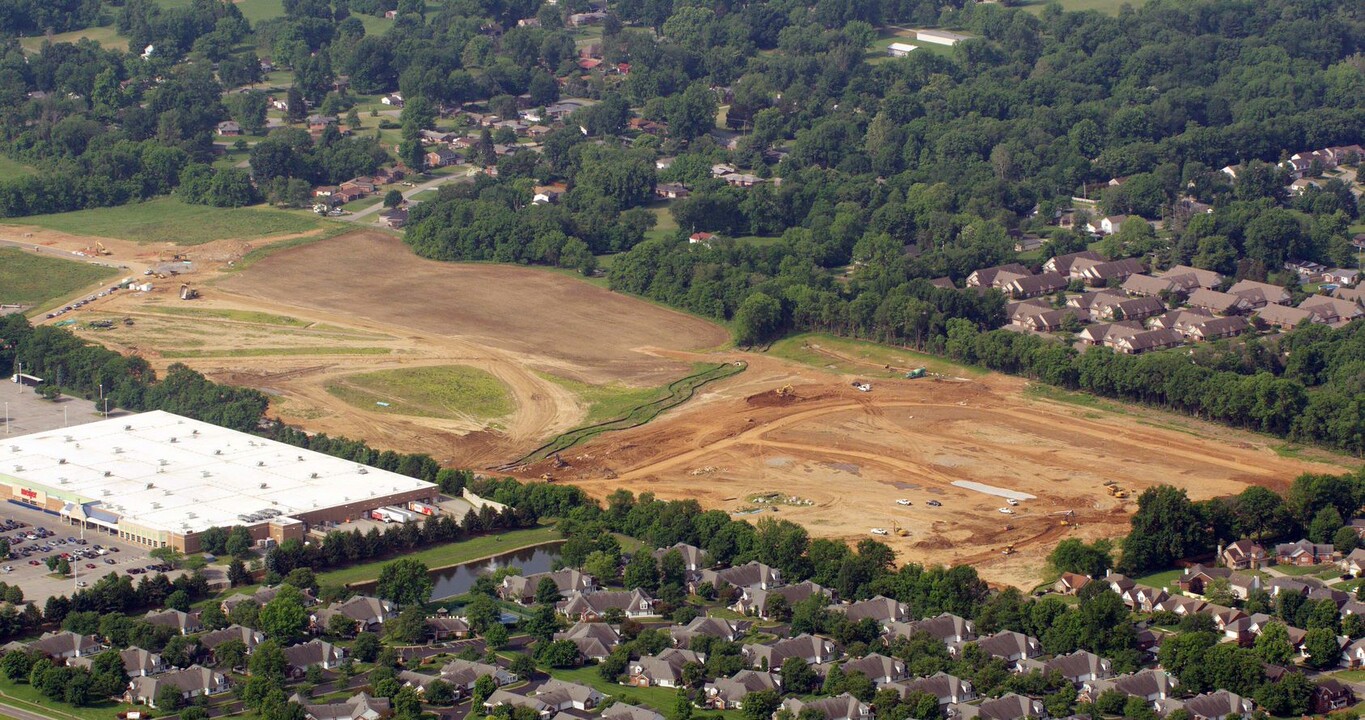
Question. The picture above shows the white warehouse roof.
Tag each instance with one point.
(164, 471)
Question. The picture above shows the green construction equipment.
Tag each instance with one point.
(916, 374)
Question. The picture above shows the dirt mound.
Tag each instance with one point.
(772, 398)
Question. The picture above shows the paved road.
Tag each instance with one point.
(10, 711)
(409, 193)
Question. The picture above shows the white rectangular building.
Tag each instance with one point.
(940, 37)
(900, 49)
(159, 479)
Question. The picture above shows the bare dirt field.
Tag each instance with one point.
(550, 322)
(853, 455)
(308, 317)
(303, 318)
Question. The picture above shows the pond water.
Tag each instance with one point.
(458, 580)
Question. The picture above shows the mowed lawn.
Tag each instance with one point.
(31, 278)
(11, 168)
(172, 221)
(1108, 7)
(441, 556)
(443, 391)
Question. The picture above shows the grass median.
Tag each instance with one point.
(455, 553)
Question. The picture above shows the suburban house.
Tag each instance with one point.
(756, 601)
(1219, 303)
(1243, 555)
(1149, 685)
(590, 607)
(1354, 562)
(445, 627)
(1033, 285)
(265, 594)
(1219, 705)
(664, 669)
(1070, 583)
(811, 649)
(671, 191)
(986, 277)
(753, 574)
(229, 128)
(1209, 329)
(367, 612)
(1260, 294)
(1202, 278)
(840, 707)
(1010, 706)
(522, 588)
(1098, 274)
(1007, 645)
(947, 688)
(1146, 341)
(357, 707)
(136, 662)
(182, 622)
(947, 628)
(1108, 333)
(501, 697)
(728, 693)
(192, 682)
(878, 668)
(595, 640)
(250, 638)
(1140, 285)
(562, 695)
(728, 630)
(1330, 309)
(883, 610)
(441, 157)
(622, 711)
(693, 557)
(298, 658)
(62, 645)
(1061, 264)
(1345, 277)
(1305, 553)
(1078, 668)
(1106, 307)
(1332, 695)
(462, 674)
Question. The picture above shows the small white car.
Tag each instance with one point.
(1006, 511)
(880, 531)
(903, 501)
(1012, 501)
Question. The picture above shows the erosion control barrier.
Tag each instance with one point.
(678, 392)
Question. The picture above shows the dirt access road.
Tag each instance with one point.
(853, 455)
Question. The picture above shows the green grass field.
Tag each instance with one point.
(107, 36)
(806, 349)
(1163, 579)
(30, 278)
(443, 391)
(26, 697)
(449, 554)
(172, 221)
(13, 168)
(1108, 7)
(246, 316)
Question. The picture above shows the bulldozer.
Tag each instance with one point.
(1009, 550)
(547, 477)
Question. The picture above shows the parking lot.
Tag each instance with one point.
(30, 413)
(35, 579)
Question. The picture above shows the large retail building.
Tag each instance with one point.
(159, 479)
